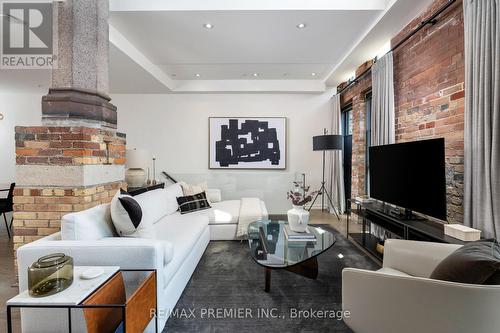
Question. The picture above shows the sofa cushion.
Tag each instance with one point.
(127, 217)
(158, 203)
(91, 224)
(224, 212)
(475, 263)
(182, 231)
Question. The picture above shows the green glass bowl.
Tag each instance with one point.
(50, 274)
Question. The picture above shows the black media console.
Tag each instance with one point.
(369, 215)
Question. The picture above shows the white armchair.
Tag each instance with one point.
(400, 297)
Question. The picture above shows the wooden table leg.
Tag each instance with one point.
(308, 268)
(268, 280)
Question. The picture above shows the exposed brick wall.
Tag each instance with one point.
(429, 97)
(38, 211)
(56, 145)
(429, 92)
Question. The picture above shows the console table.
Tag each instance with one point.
(369, 214)
(133, 191)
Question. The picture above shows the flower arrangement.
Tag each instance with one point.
(300, 195)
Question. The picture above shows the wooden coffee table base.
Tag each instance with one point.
(308, 268)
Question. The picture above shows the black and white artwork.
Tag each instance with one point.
(247, 143)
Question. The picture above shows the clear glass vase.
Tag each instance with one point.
(50, 274)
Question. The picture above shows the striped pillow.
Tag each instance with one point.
(193, 203)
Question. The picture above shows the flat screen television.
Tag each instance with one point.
(410, 175)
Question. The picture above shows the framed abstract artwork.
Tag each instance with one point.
(247, 143)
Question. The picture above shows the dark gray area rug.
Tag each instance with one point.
(226, 293)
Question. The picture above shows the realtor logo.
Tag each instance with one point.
(27, 35)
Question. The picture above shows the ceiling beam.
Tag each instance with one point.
(213, 5)
(139, 58)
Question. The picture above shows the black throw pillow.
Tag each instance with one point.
(193, 203)
(475, 263)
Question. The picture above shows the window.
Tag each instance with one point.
(347, 129)
(347, 124)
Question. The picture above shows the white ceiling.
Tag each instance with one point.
(243, 42)
(158, 46)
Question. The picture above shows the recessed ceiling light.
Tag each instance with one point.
(301, 26)
(208, 26)
(313, 74)
(255, 74)
(197, 75)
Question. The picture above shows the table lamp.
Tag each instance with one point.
(137, 159)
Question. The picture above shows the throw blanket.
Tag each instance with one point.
(250, 211)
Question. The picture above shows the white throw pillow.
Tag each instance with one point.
(128, 218)
(172, 193)
(189, 189)
(159, 203)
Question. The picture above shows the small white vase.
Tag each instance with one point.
(298, 218)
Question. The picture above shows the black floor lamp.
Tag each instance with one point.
(323, 143)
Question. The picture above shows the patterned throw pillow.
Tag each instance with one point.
(193, 203)
(127, 216)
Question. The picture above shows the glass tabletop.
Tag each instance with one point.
(270, 246)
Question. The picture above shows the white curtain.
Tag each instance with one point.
(482, 116)
(382, 116)
(383, 128)
(335, 183)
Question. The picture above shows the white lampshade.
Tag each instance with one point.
(137, 158)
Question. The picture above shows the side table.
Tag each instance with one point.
(103, 300)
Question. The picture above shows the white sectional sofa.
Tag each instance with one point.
(89, 237)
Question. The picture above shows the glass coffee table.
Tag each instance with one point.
(271, 248)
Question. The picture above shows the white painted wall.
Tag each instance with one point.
(18, 110)
(174, 128)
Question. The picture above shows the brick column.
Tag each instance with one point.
(62, 169)
(76, 159)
